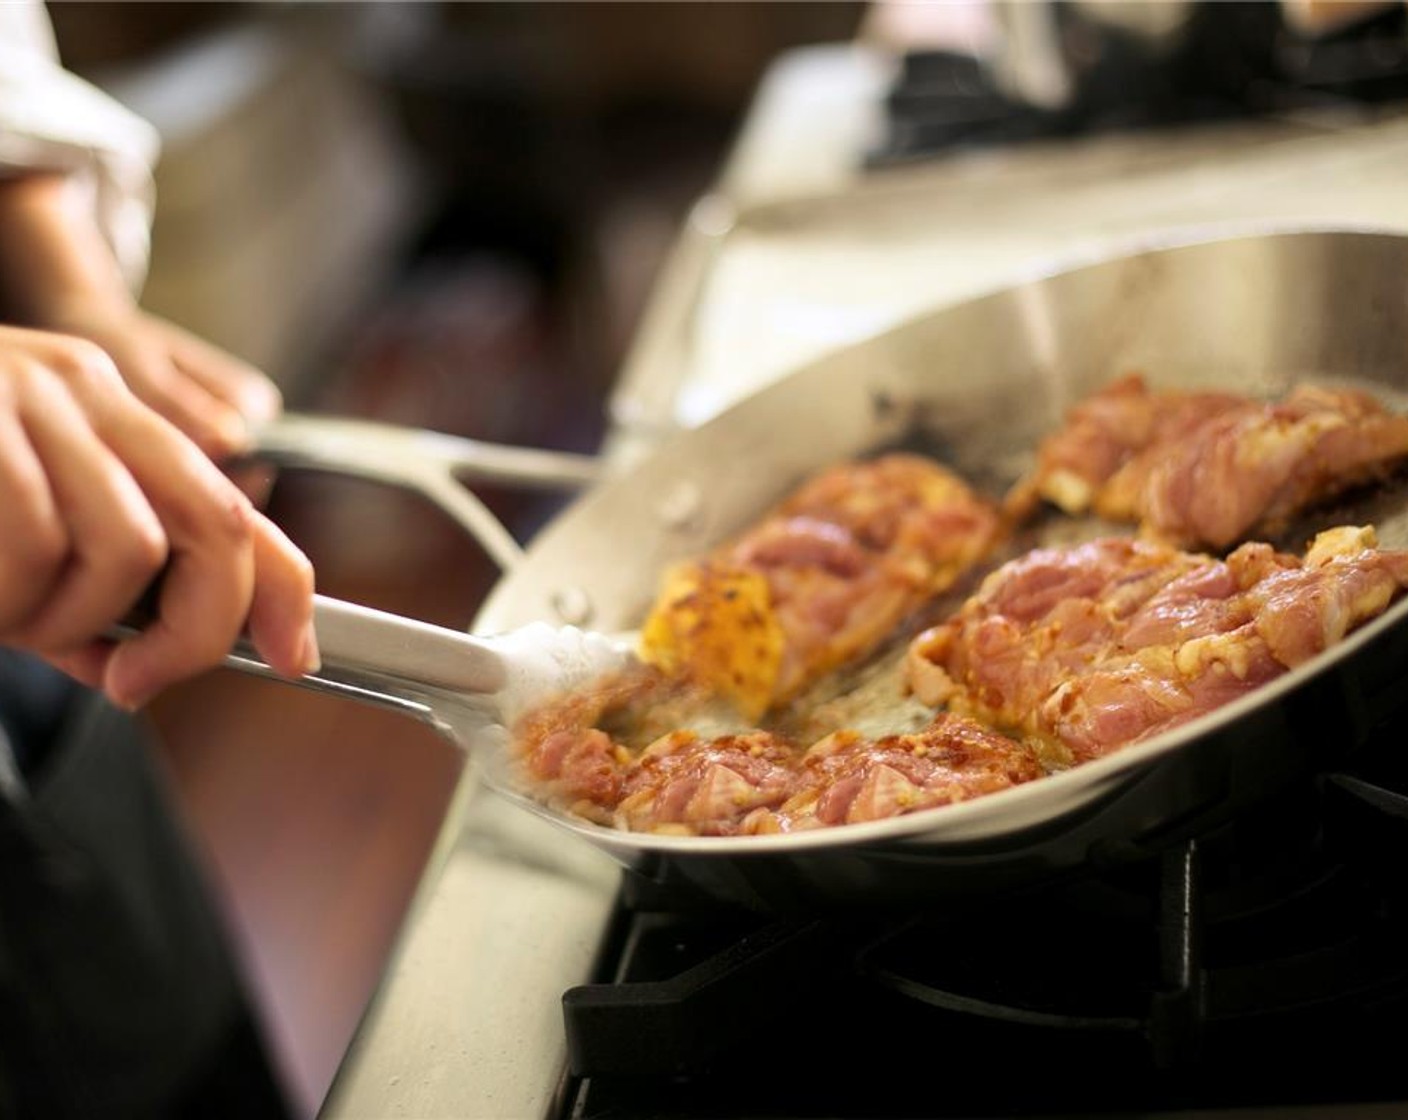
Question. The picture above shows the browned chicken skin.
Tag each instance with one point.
(820, 581)
(1087, 649)
(1205, 470)
(760, 781)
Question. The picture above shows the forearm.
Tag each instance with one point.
(53, 259)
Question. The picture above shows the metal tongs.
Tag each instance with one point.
(457, 683)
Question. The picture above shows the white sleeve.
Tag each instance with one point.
(52, 120)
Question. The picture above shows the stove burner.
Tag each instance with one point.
(1259, 964)
(1231, 61)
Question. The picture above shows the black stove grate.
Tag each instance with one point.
(1261, 964)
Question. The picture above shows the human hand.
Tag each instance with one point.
(210, 395)
(98, 494)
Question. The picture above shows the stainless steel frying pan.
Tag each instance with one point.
(977, 385)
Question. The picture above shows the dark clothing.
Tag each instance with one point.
(117, 993)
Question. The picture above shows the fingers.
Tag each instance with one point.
(228, 565)
(115, 542)
(212, 397)
(185, 639)
(34, 541)
(78, 541)
(209, 580)
(98, 494)
(224, 377)
(226, 383)
(215, 426)
(281, 613)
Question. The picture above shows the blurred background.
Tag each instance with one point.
(581, 225)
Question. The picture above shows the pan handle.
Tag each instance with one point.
(432, 464)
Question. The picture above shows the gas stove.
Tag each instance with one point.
(1252, 970)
